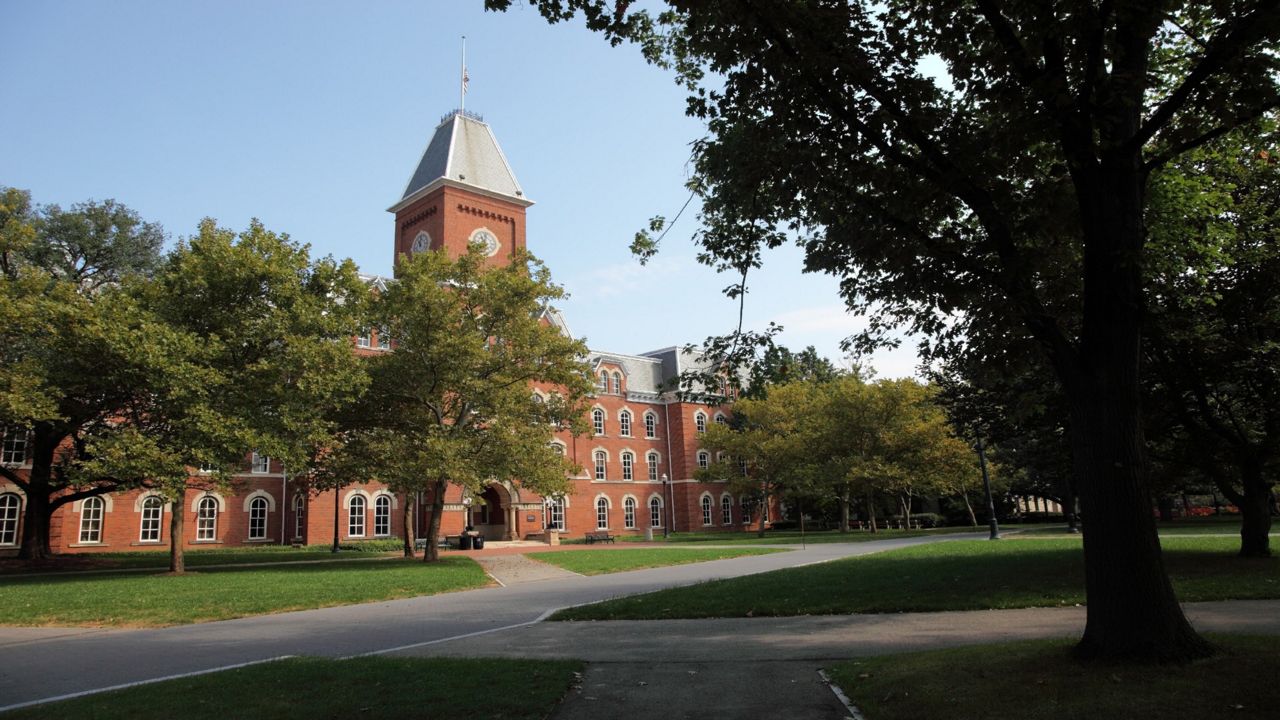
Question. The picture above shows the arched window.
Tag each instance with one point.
(91, 520)
(382, 516)
(555, 514)
(355, 516)
(650, 425)
(624, 423)
(601, 464)
(628, 462)
(597, 421)
(652, 461)
(700, 421)
(617, 383)
(720, 419)
(655, 512)
(299, 516)
(746, 511)
(706, 509)
(10, 511)
(629, 513)
(602, 385)
(152, 511)
(726, 509)
(258, 518)
(704, 459)
(207, 519)
(558, 448)
(602, 514)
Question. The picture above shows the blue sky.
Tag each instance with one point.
(312, 115)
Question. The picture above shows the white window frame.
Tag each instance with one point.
(617, 383)
(602, 513)
(92, 510)
(207, 519)
(384, 339)
(260, 464)
(726, 509)
(655, 512)
(629, 513)
(602, 383)
(707, 506)
(555, 514)
(597, 421)
(299, 514)
(624, 423)
(151, 519)
(628, 465)
(258, 518)
(601, 461)
(650, 425)
(653, 460)
(364, 339)
(720, 419)
(10, 512)
(704, 459)
(382, 516)
(700, 421)
(13, 451)
(356, 524)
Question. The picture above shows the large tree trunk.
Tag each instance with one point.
(38, 514)
(1255, 511)
(906, 511)
(871, 510)
(432, 553)
(844, 511)
(409, 550)
(177, 557)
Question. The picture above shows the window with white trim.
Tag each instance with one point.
(555, 514)
(617, 383)
(91, 510)
(10, 511)
(355, 516)
(258, 518)
(652, 461)
(628, 462)
(746, 511)
(558, 448)
(299, 515)
(382, 515)
(602, 384)
(364, 339)
(704, 459)
(706, 509)
(601, 460)
(207, 519)
(624, 423)
(13, 451)
(726, 509)
(261, 464)
(720, 419)
(650, 425)
(655, 512)
(152, 512)
(629, 513)
(597, 421)
(384, 339)
(700, 421)
(602, 514)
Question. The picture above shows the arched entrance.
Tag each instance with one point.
(494, 514)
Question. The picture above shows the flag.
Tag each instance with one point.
(465, 80)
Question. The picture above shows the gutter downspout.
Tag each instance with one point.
(284, 501)
(671, 469)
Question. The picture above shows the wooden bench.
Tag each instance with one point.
(599, 536)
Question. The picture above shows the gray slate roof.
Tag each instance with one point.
(463, 150)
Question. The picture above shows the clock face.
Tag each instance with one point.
(487, 241)
(422, 242)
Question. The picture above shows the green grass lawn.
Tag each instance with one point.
(1038, 681)
(317, 689)
(600, 562)
(67, 562)
(145, 600)
(793, 537)
(958, 575)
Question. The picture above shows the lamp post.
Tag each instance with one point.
(666, 491)
(986, 484)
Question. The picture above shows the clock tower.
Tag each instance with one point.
(463, 192)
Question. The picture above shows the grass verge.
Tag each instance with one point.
(600, 562)
(1038, 680)
(958, 575)
(70, 562)
(150, 600)
(792, 537)
(372, 687)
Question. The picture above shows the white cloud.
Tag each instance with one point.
(616, 279)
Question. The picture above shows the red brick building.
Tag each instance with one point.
(639, 465)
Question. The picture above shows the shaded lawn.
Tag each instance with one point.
(600, 562)
(1213, 525)
(315, 688)
(1037, 680)
(145, 600)
(957, 575)
(64, 562)
(793, 537)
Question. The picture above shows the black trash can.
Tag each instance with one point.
(478, 542)
(464, 542)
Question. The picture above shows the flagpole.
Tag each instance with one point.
(462, 93)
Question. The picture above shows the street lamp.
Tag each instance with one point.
(666, 490)
(986, 484)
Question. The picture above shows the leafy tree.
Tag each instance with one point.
(928, 197)
(454, 402)
(778, 365)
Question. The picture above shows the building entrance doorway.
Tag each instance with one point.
(493, 515)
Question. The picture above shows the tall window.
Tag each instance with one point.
(597, 421)
(260, 464)
(617, 383)
(152, 510)
(602, 385)
(555, 513)
(629, 513)
(726, 509)
(704, 459)
(299, 513)
(601, 463)
(258, 518)
(382, 515)
(91, 520)
(624, 423)
(652, 461)
(720, 419)
(650, 425)
(363, 340)
(10, 510)
(746, 511)
(355, 516)
(706, 509)
(384, 339)
(655, 512)
(700, 421)
(207, 519)
(628, 460)
(13, 450)
(602, 514)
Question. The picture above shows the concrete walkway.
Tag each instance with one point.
(518, 569)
